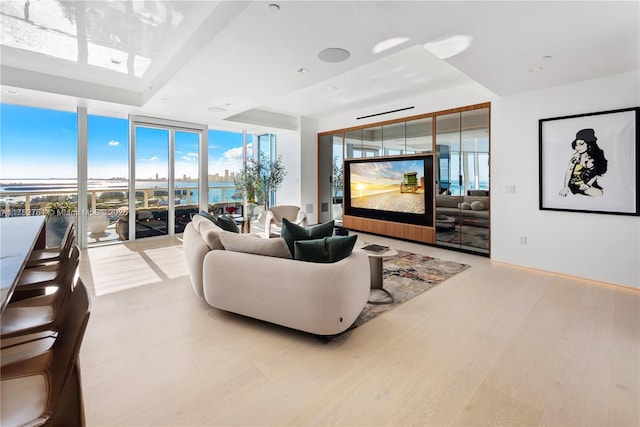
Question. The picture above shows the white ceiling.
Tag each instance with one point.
(179, 59)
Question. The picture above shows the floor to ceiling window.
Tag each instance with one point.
(38, 166)
(226, 155)
(267, 153)
(108, 176)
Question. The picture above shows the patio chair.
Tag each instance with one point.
(274, 215)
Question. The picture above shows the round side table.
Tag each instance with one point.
(375, 266)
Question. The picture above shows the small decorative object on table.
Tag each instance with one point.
(230, 210)
(375, 248)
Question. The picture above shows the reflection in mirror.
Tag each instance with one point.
(353, 144)
(393, 139)
(372, 141)
(419, 135)
(462, 173)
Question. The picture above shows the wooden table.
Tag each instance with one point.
(18, 237)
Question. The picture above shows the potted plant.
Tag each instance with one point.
(336, 187)
(59, 215)
(259, 178)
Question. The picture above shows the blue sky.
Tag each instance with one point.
(39, 143)
(385, 173)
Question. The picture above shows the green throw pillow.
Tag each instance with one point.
(227, 223)
(327, 249)
(222, 221)
(291, 233)
(208, 216)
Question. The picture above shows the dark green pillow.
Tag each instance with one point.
(291, 233)
(227, 223)
(327, 249)
(208, 216)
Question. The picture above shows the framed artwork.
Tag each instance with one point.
(589, 162)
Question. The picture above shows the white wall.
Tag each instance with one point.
(288, 145)
(299, 154)
(309, 164)
(593, 246)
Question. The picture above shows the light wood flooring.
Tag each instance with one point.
(494, 345)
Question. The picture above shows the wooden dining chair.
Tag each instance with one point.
(40, 257)
(46, 389)
(43, 312)
(44, 275)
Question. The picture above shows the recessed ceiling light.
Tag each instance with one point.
(535, 69)
(12, 92)
(546, 57)
(334, 54)
(216, 109)
(302, 70)
(274, 7)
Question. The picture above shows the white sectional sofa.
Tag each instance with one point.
(256, 277)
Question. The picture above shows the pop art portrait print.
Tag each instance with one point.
(588, 162)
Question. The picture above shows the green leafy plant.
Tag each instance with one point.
(60, 208)
(258, 178)
(336, 178)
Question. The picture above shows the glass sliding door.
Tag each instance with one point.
(152, 195)
(166, 169)
(185, 155)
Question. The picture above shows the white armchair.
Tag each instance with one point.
(274, 215)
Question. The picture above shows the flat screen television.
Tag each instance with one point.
(391, 189)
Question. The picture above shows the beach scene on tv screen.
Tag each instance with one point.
(396, 186)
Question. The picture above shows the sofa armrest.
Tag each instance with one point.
(194, 249)
(319, 298)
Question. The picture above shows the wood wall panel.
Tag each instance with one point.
(416, 233)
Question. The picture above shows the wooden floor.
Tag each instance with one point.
(494, 345)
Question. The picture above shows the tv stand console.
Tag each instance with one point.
(416, 233)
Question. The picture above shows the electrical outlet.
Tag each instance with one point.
(522, 240)
(510, 189)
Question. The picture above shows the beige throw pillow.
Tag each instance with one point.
(209, 231)
(248, 243)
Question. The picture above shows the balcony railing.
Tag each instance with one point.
(110, 201)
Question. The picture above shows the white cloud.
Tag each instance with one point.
(154, 159)
(114, 143)
(234, 153)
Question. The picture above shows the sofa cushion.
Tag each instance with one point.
(327, 249)
(465, 206)
(446, 201)
(251, 244)
(222, 221)
(291, 232)
(477, 206)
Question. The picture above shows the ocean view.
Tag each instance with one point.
(14, 191)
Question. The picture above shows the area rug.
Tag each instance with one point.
(405, 276)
